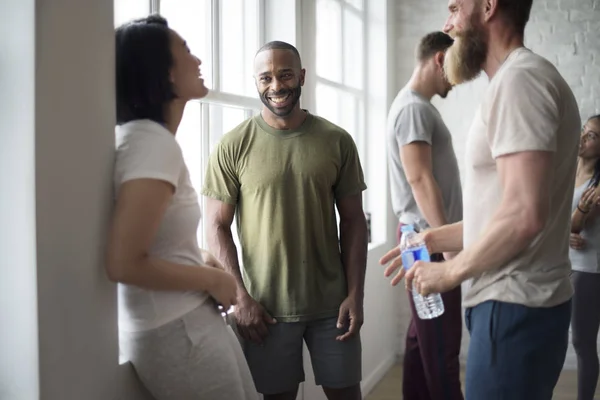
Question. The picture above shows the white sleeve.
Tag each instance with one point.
(149, 155)
(523, 115)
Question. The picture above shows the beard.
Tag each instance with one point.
(465, 58)
(294, 93)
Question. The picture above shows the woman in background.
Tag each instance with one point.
(585, 260)
(170, 328)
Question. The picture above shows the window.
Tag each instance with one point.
(339, 38)
(340, 65)
(225, 35)
(126, 10)
(344, 45)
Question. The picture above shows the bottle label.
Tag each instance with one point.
(408, 259)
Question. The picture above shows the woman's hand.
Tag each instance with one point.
(223, 288)
(589, 200)
(576, 241)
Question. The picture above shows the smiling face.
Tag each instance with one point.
(185, 73)
(465, 58)
(589, 145)
(279, 80)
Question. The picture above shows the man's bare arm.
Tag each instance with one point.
(251, 317)
(220, 238)
(353, 242)
(417, 164)
(521, 216)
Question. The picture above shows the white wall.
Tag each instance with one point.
(564, 31)
(18, 307)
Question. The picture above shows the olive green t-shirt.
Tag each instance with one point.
(284, 184)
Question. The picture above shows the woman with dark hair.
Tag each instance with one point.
(585, 260)
(169, 324)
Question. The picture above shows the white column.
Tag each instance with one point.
(18, 297)
(74, 146)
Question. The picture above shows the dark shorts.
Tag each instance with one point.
(516, 352)
(278, 366)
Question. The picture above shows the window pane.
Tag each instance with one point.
(239, 42)
(356, 3)
(126, 10)
(191, 19)
(353, 50)
(222, 120)
(341, 108)
(349, 114)
(327, 103)
(190, 139)
(329, 40)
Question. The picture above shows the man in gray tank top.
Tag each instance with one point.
(426, 192)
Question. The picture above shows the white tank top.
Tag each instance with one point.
(588, 259)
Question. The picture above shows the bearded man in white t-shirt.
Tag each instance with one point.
(518, 185)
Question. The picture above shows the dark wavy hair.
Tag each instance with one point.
(143, 62)
(596, 177)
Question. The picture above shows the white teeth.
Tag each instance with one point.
(279, 99)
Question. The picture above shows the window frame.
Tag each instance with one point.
(361, 96)
(211, 118)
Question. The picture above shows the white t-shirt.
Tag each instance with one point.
(527, 107)
(146, 149)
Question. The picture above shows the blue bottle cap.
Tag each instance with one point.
(407, 228)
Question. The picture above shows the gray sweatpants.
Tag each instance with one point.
(585, 322)
(196, 357)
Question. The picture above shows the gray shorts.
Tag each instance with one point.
(277, 365)
(196, 357)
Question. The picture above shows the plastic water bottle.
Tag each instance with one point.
(414, 249)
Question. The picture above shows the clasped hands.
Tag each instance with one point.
(423, 277)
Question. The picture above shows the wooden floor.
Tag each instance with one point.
(390, 388)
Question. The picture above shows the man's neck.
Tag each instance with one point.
(499, 49)
(291, 122)
(422, 84)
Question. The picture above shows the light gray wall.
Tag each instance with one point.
(18, 307)
(566, 32)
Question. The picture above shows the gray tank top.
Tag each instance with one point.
(588, 259)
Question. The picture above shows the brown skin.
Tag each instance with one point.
(280, 72)
(141, 205)
(279, 75)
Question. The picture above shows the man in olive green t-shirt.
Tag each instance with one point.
(282, 174)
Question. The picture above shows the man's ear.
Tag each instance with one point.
(490, 8)
(439, 59)
(302, 76)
